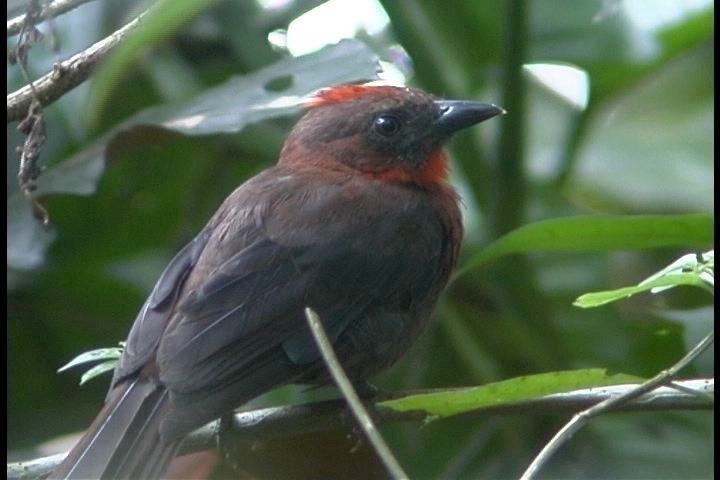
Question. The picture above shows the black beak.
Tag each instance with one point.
(458, 114)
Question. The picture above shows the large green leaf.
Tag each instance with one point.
(600, 233)
(653, 150)
(604, 42)
(227, 108)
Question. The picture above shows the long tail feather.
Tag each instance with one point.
(123, 440)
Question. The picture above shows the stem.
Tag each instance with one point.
(343, 383)
(582, 418)
(511, 185)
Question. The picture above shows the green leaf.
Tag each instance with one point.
(93, 356)
(599, 233)
(614, 53)
(444, 404)
(227, 108)
(671, 169)
(687, 270)
(596, 299)
(701, 265)
(98, 370)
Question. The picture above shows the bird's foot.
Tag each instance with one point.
(224, 440)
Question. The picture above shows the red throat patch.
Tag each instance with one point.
(436, 167)
(433, 172)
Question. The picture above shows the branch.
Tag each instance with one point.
(51, 10)
(343, 382)
(327, 415)
(582, 418)
(34, 468)
(66, 75)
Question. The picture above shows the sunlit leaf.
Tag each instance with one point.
(596, 299)
(98, 370)
(444, 404)
(697, 270)
(93, 356)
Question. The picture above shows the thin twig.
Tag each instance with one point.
(28, 35)
(582, 418)
(266, 423)
(51, 10)
(68, 74)
(343, 383)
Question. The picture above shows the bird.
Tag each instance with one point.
(357, 220)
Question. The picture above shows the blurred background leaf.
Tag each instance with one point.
(614, 117)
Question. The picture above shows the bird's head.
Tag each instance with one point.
(391, 133)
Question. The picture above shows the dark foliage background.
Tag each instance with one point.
(642, 144)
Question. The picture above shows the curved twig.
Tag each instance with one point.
(582, 418)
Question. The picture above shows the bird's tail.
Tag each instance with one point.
(124, 439)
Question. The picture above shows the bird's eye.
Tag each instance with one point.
(386, 125)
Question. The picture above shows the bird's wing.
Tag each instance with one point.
(150, 323)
